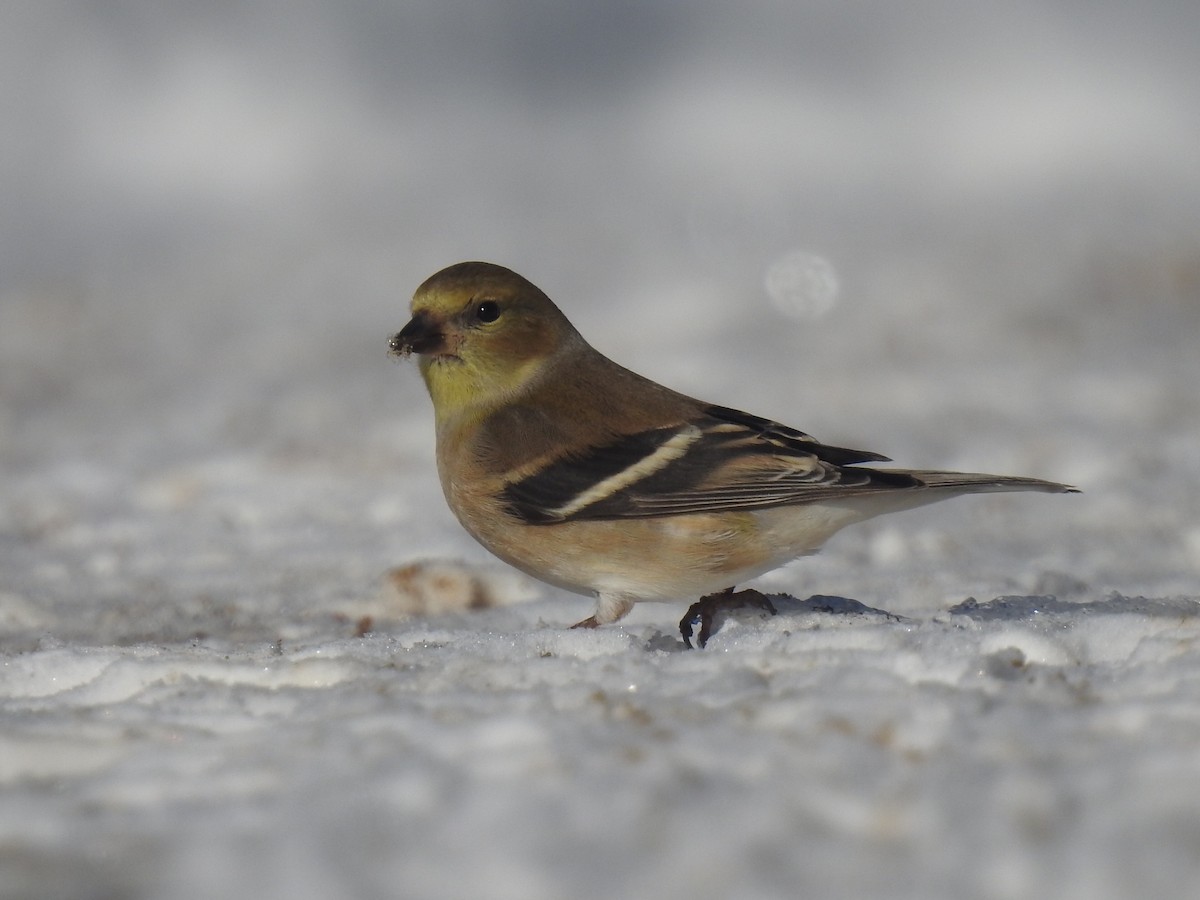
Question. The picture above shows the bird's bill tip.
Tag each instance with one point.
(398, 346)
(420, 335)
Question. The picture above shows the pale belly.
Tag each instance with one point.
(664, 558)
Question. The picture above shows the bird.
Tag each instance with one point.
(597, 480)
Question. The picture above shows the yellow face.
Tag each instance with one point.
(480, 331)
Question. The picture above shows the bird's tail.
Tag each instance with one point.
(970, 482)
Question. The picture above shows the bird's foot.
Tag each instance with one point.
(589, 622)
(705, 608)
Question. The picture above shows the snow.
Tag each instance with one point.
(245, 650)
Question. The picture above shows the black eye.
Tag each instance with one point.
(487, 311)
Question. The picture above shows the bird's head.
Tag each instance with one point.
(482, 333)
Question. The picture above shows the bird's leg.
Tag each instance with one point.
(706, 607)
(609, 608)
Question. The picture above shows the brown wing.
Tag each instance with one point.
(722, 460)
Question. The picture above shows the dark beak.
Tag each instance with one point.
(421, 335)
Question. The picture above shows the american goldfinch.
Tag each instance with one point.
(592, 478)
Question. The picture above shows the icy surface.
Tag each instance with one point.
(245, 651)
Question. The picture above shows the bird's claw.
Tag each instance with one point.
(705, 608)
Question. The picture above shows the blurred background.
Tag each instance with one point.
(963, 234)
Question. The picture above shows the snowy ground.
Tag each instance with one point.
(245, 651)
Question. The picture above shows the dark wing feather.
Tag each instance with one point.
(723, 460)
(783, 436)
